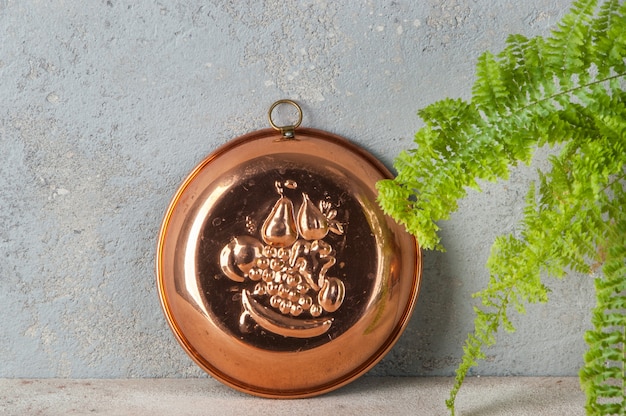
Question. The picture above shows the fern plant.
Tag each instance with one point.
(566, 92)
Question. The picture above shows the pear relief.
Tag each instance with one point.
(312, 224)
(279, 228)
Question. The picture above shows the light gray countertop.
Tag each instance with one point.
(484, 396)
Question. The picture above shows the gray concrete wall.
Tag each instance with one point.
(105, 106)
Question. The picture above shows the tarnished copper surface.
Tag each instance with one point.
(277, 271)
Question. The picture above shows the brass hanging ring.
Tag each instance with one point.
(288, 130)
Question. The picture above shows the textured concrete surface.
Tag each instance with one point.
(105, 106)
(485, 396)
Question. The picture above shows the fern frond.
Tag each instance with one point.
(490, 93)
(610, 50)
(569, 43)
(603, 376)
(566, 91)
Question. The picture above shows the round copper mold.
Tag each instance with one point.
(277, 271)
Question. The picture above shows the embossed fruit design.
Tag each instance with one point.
(292, 291)
(312, 224)
(239, 257)
(331, 294)
(279, 228)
